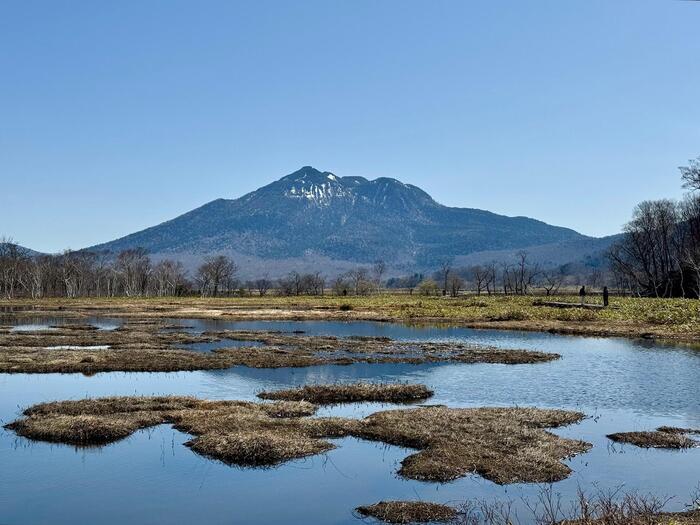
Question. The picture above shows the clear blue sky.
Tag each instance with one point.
(115, 116)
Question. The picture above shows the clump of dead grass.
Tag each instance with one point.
(352, 393)
(408, 512)
(148, 346)
(662, 437)
(505, 445)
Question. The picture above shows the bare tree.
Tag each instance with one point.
(480, 277)
(649, 252)
(134, 267)
(456, 284)
(552, 281)
(13, 264)
(263, 285)
(215, 273)
(690, 174)
(379, 269)
(491, 273)
(360, 281)
(168, 278)
(445, 269)
(525, 273)
(341, 285)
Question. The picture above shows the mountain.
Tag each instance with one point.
(317, 218)
(22, 249)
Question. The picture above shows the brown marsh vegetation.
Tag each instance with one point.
(151, 345)
(677, 319)
(505, 445)
(408, 512)
(602, 507)
(662, 437)
(351, 393)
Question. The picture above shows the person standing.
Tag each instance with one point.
(606, 296)
(582, 294)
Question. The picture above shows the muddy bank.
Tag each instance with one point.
(504, 445)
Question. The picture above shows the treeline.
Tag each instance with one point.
(86, 274)
(132, 273)
(519, 276)
(659, 255)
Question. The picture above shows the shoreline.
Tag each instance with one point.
(475, 312)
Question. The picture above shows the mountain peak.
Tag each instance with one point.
(348, 220)
(309, 173)
(312, 186)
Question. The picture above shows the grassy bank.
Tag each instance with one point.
(628, 317)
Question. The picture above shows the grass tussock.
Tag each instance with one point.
(149, 345)
(505, 445)
(662, 437)
(352, 393)
(408, 512)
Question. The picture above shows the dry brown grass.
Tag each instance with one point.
(603, 507)
(662, 437)
(505, 445)
(408, 512)
(150, 345)
(352, 393)
(677, 319)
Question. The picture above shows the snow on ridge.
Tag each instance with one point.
(320, 193)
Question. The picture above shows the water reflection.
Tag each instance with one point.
(150, 477)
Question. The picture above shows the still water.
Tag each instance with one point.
(150, 478)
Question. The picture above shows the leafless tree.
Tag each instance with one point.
(690, 174)
(13, 264)
(456, 284)
(168, 278)
(134, 267)
(215, 273)
(491, 273)
(360, 281)
(525, 273)
(263, 285)
(379, 269)
(480, 277)
(648, 253)
(316, 283)
(552, 281)
(341, 285)
(445, 269)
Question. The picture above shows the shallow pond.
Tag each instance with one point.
(151, 478)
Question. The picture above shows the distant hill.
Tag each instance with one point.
(27, 251)
(313, 219)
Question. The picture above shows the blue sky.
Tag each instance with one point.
(115, 116)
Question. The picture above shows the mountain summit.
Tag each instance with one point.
(317, 216)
